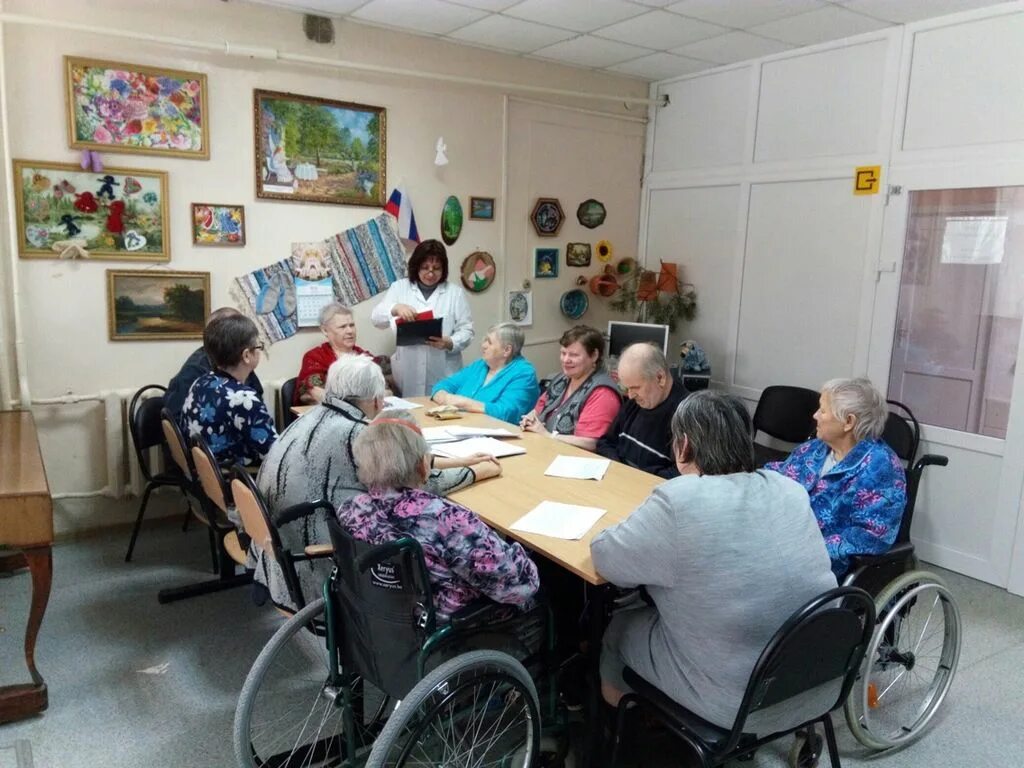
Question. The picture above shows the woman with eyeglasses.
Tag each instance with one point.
(418, 368)
(220, 407)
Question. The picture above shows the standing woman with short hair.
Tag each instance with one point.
(418, 368)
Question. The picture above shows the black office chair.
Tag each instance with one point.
(286, 398)
(820, 645)
(785, 413)
(144, 426)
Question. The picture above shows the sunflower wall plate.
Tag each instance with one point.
(604, 251)
(478, 271)
(547, 217)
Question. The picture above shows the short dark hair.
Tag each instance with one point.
(428, 249)
(590, 338)
(226, 338)
(717, 431)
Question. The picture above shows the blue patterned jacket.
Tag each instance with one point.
(230, 417)
(859, 502)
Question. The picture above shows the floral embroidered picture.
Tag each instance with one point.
(128, 108)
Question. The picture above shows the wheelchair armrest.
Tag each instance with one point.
(931, 459)
(478, 612)
(896, 552)
(299, 511)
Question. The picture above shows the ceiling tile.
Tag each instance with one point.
(420, 16)
(579, 15)
(660, 66)
(902, 11)
(486, 5)
(742, 14)
(510, 34)
(660, 30)
(732, 47)
(320, 7)
(589, 51)
(818, 26)
(654, 3)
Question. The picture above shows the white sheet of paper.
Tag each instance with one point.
(434, 435)
(489, 445)
(396, 402)
(578, 468)
(463, 432)
(562, 521)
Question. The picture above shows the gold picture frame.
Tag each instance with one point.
(119, 107)
(140, 307)
(121, 214)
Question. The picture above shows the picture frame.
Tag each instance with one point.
(545, 262)
(120, 107)
(481, 208)
(591, 213)
(577, 255)
(119, 214)
(340, 155)
(156, 304)
(215, 225)
(547, 216)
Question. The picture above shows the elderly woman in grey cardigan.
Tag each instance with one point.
(726, 554)
(313, 460)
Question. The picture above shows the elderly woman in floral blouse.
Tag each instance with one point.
(857, 485)
(465, 558)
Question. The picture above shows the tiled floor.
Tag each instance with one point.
(135, 683)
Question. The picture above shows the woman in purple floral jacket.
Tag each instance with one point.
(857, 485)
(465, 558)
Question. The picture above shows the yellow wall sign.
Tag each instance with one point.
(867, 179)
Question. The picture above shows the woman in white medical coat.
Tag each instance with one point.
(418, 368)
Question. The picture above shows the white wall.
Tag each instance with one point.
(64, 313)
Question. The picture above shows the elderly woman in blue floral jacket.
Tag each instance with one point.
(857, 485)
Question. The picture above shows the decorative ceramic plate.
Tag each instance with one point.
(451, 220)
(547, 216)
(574, 304)
(478, 271)
(591, 213)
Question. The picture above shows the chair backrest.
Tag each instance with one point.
(384, 594)
(903, 434)
(786, 413)
(210, 476)
(176, 445)
(822, 643)
(286, 399)
(144, 424)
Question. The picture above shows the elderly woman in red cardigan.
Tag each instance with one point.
(339, 327)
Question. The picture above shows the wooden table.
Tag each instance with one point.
(26, 524)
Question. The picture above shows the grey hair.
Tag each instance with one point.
(717, 431)
(509, 334)
(389, 454)
(355, 377)
(648, 358)
(860, 399)
(332, 309)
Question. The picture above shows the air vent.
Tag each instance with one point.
(319, 29)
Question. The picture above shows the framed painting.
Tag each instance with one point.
(116, 214)
(218, 224)
(319, 151)
(130, 108)
(577, 255)
(481, 208)
(146, 304)
(545, 262)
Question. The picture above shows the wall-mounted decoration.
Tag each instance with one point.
(146, 304)
(577, 254)
(626, 266)
(520, 307)
(318, 150)
(451, 220)
(481, 208)
(604, 284)
(218, 224)
(605, 251)
(478, 271)
(547, 216)
(119, 215)
(574, 304)
(545, 262)
(129, 108)
(591, 213)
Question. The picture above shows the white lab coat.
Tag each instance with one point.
(418, 368)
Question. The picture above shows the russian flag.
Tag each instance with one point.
(400, 206)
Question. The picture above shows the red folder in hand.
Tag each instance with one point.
(425, 315)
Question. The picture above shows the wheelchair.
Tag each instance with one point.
(910, 662)
(367, 676)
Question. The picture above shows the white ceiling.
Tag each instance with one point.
(650, 39)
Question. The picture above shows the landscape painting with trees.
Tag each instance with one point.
(318, 150)
(157, 305)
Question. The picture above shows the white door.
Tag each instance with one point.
(946, 340)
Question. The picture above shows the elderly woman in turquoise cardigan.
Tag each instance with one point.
(502, 383)
(857, 485)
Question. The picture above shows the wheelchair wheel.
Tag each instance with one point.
(290, 712)
(478, 709)
(909, 664)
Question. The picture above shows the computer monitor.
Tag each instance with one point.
(622, 334)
